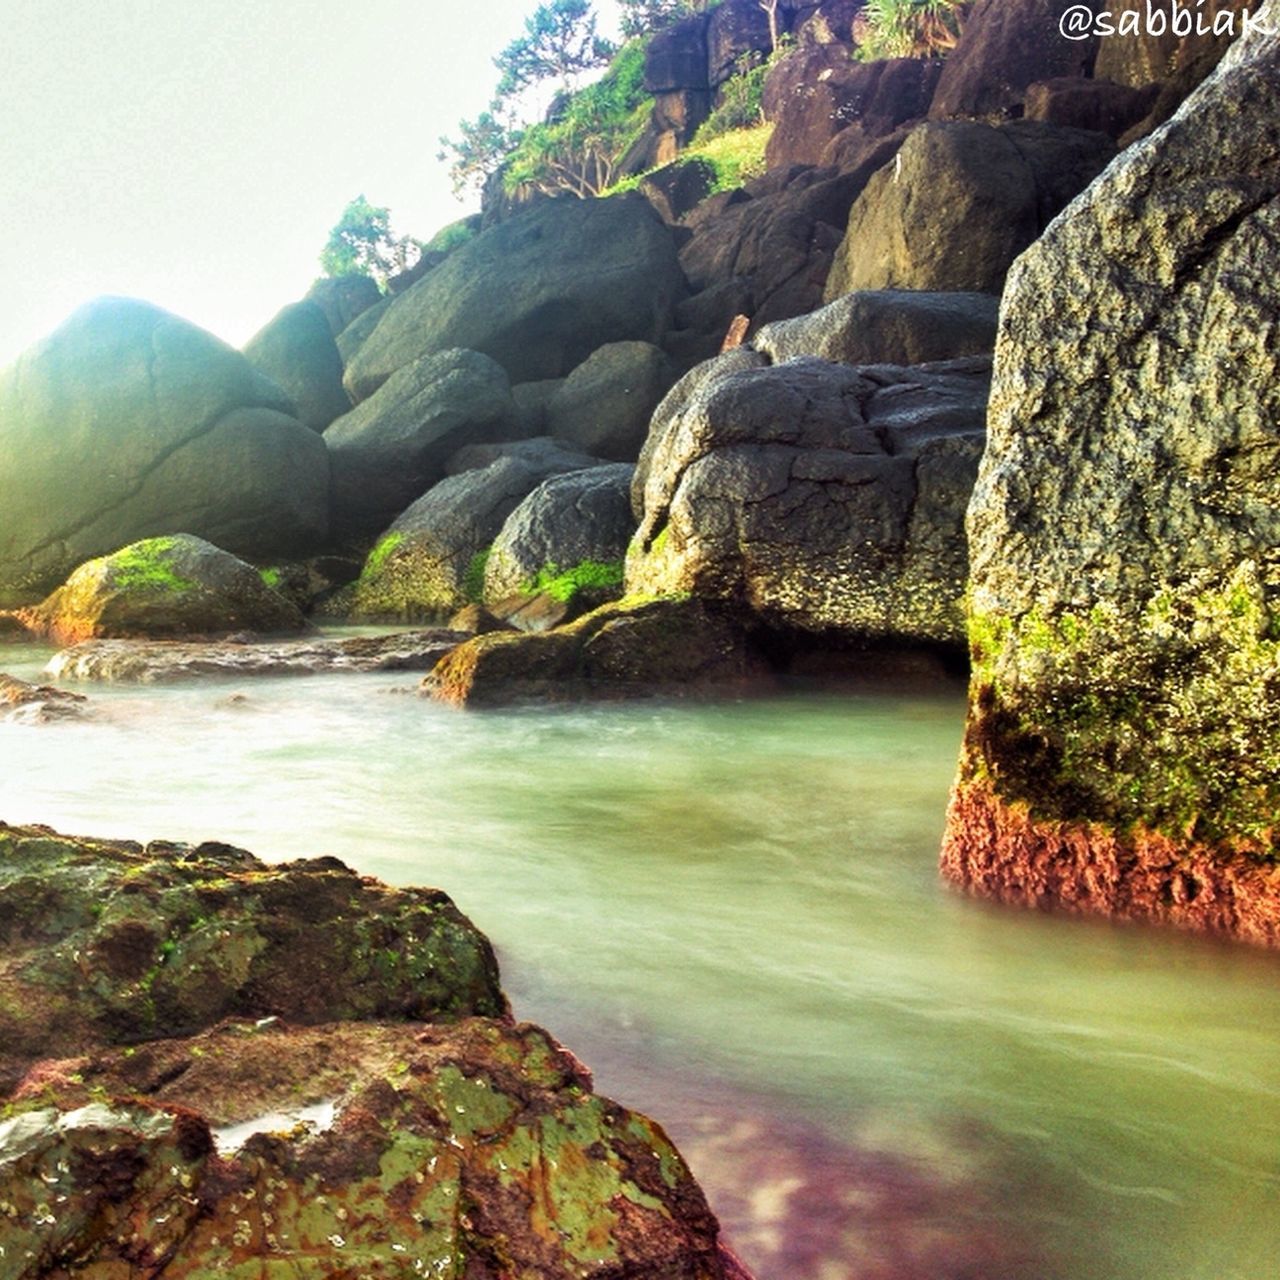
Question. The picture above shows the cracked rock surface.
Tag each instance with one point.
(128, 422)
(827, 498)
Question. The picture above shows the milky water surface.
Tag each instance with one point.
(732, 913)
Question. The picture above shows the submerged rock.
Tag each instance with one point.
(174, 586)
(32, 703)
(825, 498)
(128, 423)
(464, 1151)
(133, 662)
(1122, 753)
(631, 648)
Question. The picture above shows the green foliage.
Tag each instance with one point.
(271, 578)
(579, 150)
(741, 97)
(473, 578)
(563, 585)
(909, 28)
(145, 566)
(453, 236)
(361, 243)
(559, 42)
(479, 150)
(734, 158)
(644, 17)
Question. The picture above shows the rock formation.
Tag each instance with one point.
(1121, 754)
(297, 352)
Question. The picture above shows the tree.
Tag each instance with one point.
(771, 10)
(361, 243)
(643, 17)
(560, 42)
(479, 151)
(909, 28)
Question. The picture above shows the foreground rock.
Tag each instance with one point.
(826, 498)
(178, 586)
(1122, 754)
(537, 293)
(472, 1150)
(633, 648)
(128, 423)
(108, 942)
(130, 662)
(213, 1066)
(432, 559)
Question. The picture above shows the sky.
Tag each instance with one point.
(195, 153)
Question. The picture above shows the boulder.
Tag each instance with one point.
(675, 189)
(1141, 53)
(540, 453)
(537, 293)
(567, 538)
(172, 586)
(531, 400)
(627, 649)
(676, 56)
(38, 703)
(1099, 105)
(737, 33)
(297, 352)
(816, 91)
(423, 1150)
(431, 561)
(959, 202)
(391, 448)
(134, 662)
(343, 298)
(604, 406)
(781, 244)
(1006, 46)
(108, 942)
(350, 340)
(889, 326)
(1122, 754)
(823, 497)
(128, 423)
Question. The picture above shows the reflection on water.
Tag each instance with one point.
(732, 912)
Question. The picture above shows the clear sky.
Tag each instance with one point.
(196, 152)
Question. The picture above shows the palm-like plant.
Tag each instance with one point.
(909, 28)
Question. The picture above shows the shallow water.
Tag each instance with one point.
(732, 913)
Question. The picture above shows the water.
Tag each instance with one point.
(732, 913)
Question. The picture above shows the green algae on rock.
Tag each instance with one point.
(111, 942)
(1121, 754)
(477, 1149)
(161, 587)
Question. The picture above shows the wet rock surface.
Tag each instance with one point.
(626, 649)
(38, 704)
(476, 1149)
(138, 662)
(1121, 751)
(112, 942)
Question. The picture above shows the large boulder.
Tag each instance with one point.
(628, 649)
(1100, 105)
(297, 352)
(603, 406)
(431, 561)
(824, 497)
(959, 202)
(391, 448)
(1006, 46)
(343, 298)
(128, 423)
(1140, 53)
(107, 942)
(570, 534)
(888, 326)
(819, 90)
(164, 587)
(351, 339)
(1122, 753)
(538, 293)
